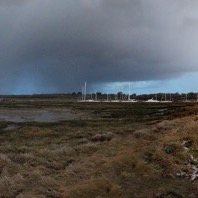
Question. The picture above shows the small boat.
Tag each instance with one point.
(152, 100)
(131, 100)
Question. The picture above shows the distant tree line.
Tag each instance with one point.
(123, 96)
(103, 96)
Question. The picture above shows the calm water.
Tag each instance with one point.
(38, 115)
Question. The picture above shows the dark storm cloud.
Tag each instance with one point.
(12, 2)
(56, 45)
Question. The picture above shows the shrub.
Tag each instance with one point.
(102, 137)
(164, 125)
(169, 149)
(142, 133)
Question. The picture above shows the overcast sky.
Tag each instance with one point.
(53, 46)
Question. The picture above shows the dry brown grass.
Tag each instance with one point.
(142, 133)
(96, 188)
(102, 137)
(99, 159)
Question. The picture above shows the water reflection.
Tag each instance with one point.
(38, 115)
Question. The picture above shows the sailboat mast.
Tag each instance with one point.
(85, 91)
(96, 97)
(129, 96)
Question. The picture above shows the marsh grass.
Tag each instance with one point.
(100, 157)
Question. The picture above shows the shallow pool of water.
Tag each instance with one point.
(31, 115)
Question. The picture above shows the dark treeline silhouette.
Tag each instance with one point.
(192, 96)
